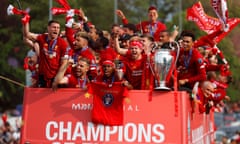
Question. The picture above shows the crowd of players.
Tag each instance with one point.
(83, 53)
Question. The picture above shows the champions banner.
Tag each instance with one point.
(64, 117)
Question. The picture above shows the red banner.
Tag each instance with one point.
(65, 117)
(206, 23)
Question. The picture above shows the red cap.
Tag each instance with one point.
(108, 59)
(152, 8)
(109, 62)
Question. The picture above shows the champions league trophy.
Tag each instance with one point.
(120, 73)
(163, 61)
(119, 69)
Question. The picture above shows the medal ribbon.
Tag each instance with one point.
(83, 84)
(187, 59)
(50, 48)
(152, 30)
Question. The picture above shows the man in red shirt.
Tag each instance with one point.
(190, 66)
(134, 61)
(53, 54)
(110, 73)
(151, 26)
(78, 78)
(204, 92)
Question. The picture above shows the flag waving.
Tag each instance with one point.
(214, 27)
(64, 3)
(215, 37)
(221, 10)
(107, 103)
(206, 23)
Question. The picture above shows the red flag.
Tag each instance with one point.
(212, 26)
(232, 23)
(107, 103)
(64, 3)
(204, 22)
(216, 36)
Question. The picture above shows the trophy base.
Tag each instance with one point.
(163, 88)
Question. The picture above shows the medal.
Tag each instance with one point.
(51, 48)
(54, 54)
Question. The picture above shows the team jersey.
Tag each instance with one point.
(51, 54)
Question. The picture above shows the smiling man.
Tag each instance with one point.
(151, 26)
(190, 66)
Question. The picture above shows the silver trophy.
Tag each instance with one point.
(162, 64)
(120, 73)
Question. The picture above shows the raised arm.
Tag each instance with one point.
(122, 16)
(26, 30)
(28, 37)
(174, 34)
(117, 47)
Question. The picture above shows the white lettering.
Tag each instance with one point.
(110, 132)
(120, 134)
(96, 133)
(79, 132)
(130, 132)
(82, 106)
(51, 126)
(157, 128)
(67, 130)
(127, 136)
(134, 108)
(144, 132)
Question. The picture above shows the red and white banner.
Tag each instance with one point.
(64, 117)
(206, 23)
(221, 10)
(215, 37)
(215, 28)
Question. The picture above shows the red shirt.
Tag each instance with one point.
(74, 82)
(105, 53)
(191, 66)
(148, 27)
(51, 53)
(84, 52)
(134, 70)
(107, 103)
(202, 101)
(219, 95)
